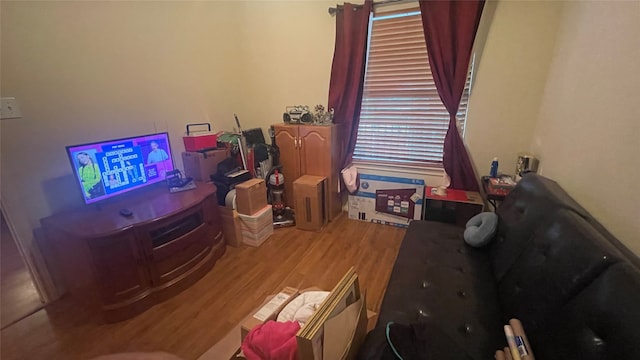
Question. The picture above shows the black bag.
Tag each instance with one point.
(420, 341)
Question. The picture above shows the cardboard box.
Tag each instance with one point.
(251, 196)
(229, 346)
(268, 310)
(256, 229)
(201, 165)
(311, 212)
(231, 226)
(387, 200)
(338, 326)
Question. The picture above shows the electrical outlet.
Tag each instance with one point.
(9, 108)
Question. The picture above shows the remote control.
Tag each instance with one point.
(126, 213)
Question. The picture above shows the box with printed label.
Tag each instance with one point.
(201, 165)
(387, 200)
(269, 310)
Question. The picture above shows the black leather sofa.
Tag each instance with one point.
(573, 285)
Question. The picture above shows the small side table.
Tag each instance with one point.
(493, 197)
(457, 206)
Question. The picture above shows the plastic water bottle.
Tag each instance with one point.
(494, 168)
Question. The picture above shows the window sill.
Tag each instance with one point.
(427, 170)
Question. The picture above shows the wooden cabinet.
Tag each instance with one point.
(287, 141)
(120, 267)
(125, 265)
(311, 150)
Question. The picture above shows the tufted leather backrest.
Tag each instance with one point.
(601, 322)
(563, 256)
(532, 203)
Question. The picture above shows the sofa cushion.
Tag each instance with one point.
(562, 257)
(601, 322)
(439, 280)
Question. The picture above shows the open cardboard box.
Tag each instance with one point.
(229, 346)
(268, 310)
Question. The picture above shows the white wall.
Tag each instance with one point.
(87, 71)
(514, 45)
(560, 79)
(588, 131)
(286, 53)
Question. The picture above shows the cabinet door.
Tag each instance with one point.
(320, 155)
(315, 150)
(120, 267)
(286, 138)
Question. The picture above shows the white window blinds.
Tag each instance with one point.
(403, 120)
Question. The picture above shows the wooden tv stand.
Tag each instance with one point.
(124, 265)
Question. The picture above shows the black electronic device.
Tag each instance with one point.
(175, 179)
(260, 153)
(254, 136)
(306, 118)
(225, 180)
(231, 178)
(104, 169)
(299, 114)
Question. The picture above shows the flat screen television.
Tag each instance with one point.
(108, 168)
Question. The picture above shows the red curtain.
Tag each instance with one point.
(449, 29)
(347, 71)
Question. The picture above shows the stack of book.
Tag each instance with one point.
(519, 347)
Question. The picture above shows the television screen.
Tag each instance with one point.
(109, 168)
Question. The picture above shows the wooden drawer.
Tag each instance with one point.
(197, 235)
(179, 256)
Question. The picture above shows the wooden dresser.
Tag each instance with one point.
(124, 265)
(311, 150)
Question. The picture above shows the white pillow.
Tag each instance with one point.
(302, 307)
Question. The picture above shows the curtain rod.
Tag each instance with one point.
(334, 10)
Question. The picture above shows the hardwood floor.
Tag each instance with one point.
(193, 321)
(18, 295)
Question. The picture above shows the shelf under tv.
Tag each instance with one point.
(124, 265)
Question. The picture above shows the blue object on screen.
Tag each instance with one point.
(108, 168)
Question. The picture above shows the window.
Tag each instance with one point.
(402, 120)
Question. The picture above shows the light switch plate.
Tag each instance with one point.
(9, 108)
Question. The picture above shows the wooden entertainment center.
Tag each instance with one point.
(124, 265)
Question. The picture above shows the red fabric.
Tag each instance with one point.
(449, 29)
(272, 341)
(347, 72)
